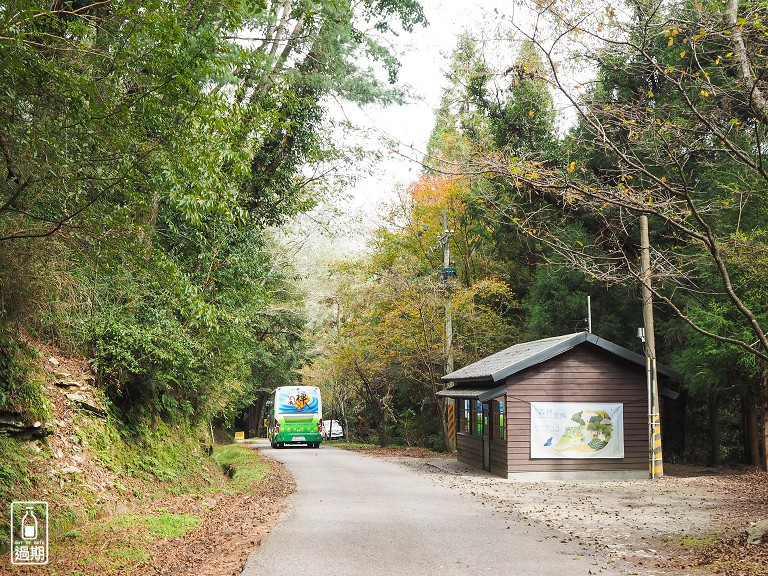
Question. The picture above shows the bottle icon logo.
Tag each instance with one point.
(29, 525)
(29, 533)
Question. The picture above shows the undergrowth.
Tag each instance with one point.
(140, 464)
(21, 383)
(241, 465)
(123, 543)
(171, 454)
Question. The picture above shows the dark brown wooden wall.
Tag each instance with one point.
(584, 374)
(469, 449)
(469, 445)
(498, 457)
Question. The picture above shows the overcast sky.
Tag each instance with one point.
(317, 238)
(423, 56)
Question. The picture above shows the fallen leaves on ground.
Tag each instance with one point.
(394, 451)
(744, 500)
(230, 530)
(232, 524)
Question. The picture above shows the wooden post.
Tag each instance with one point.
(656, 461)
(448, 312)
(450, 440)
(452, 423)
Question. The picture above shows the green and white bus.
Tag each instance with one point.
(296, 417)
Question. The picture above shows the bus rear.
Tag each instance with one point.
(296, 417)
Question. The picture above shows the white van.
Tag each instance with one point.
(332, 430)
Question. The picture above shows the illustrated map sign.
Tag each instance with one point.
(577, 430)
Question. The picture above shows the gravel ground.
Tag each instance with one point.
(691, 521)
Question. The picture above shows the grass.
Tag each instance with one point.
(123, 544)
(13, 474)
(158, 451)
(104, 548)
(14, 481)
(127, 557)
(697, 541)
(241, 464)
(171, 525)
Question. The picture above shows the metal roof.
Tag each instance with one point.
(497, 367)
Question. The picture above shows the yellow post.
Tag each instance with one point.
(656, 463)
(452, 425)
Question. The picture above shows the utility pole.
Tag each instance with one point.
(448, 275)
(656, 462)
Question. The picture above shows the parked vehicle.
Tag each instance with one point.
(295, 417)
(332, 430)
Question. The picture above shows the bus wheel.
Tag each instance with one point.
(315, 445)
(273, 444)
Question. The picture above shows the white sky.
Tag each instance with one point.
(326, 234)
(423, 57)
(322, 236)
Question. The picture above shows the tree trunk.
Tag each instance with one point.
(714, 428)
(344, 419)
(256, 415)
(751, 428)
(763, 413)
(383, 431)
(745, 68)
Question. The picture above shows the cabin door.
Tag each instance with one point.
(486, 436)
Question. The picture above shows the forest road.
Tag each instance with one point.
(353, 515)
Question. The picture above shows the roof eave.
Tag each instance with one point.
(468, 379)
(555, 350)
(462, 393)
(633, 356)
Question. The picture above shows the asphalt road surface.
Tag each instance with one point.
(353, 515)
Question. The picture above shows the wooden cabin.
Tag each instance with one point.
(573, 403)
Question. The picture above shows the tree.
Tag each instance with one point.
(386, 339)
(672, 127)
(144, 150)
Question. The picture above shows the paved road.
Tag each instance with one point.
(353, 515)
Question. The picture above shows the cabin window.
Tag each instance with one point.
(498, 418)
(479, 417)
(464, 416)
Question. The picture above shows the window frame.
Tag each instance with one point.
(498, 418)
(478, 412)
(464, 413)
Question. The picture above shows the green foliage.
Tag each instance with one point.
(14, 479)
(556, 304)
(21, 386)
(149, 449)
(144, 150)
